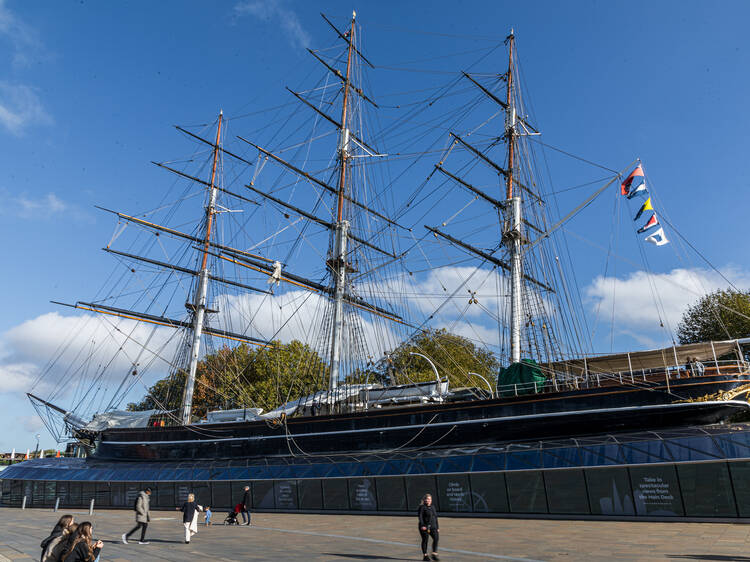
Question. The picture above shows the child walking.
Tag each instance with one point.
(208, 515)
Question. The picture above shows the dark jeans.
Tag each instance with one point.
(142, 527)
(430, 532)
(245, 516)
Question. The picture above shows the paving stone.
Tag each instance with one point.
(372, 538)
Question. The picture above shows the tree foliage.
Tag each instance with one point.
(242, 376)
(267, 377)
(721, 315)
(454, 356)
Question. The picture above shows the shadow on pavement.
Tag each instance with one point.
(364, 556)
(713, 557)
(132, 542)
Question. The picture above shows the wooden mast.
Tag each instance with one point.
(512, 234)
(510, 131)
(200, 301)
(341, 232)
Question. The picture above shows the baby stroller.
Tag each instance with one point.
(231, 518)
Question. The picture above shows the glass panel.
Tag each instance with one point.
(734, 445)
(526, 492)
(165, 496)
(117, 494)
(102, 494)
(37, 494)
(454, 493)
(566, 492)
(596, 455)
(49, 493)
(391, 494)
(335, 494)
(181, 491)
(519, 460)
(740, 472)
(706, 490)
(560, 457)
(609, 491)
(62, 493)
(362, 493)
(488, 492)
(222, 496)
(202, 493)
(132, 489)
(286, 494)
(694, 449)
(310, 494)
(417, 487)
(88, 493)
(16, 492)
(656, 490)
(74, 492)
(262, 494)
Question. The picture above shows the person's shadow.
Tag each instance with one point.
(135, 541)
(711, 557)
(363, 556)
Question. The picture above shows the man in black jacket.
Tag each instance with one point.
(245, 511)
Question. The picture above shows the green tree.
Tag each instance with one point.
(724, 314)
(454, 356)
(242, 376)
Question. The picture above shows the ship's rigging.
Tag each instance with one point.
(307, 233)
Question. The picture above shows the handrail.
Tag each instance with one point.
(562, 381)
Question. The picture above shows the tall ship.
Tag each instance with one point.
(297, 278)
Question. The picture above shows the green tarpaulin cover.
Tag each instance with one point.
(524, 377)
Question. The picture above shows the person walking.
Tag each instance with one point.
(142, 516)
(245, 511)
(59, 530)
(208, 515)
(428, 527)
(190, 511)
(83, 548)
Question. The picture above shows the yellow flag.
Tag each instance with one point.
(645, 207)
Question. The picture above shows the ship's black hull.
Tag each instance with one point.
(542, 416)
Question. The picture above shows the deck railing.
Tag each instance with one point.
(562, 381)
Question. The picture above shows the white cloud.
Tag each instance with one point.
(43, 207)
(20, 108)
(17, 377)
(24, 40)
(275, 12)
(72, 351)
(641, 300)
(31, 423)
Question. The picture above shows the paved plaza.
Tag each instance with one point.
(372, 538)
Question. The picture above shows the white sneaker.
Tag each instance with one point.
(124, 539)
(143, 542)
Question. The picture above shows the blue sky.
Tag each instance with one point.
(89, 92)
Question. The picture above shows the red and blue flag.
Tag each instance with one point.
(651, 223)
(633, 182)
